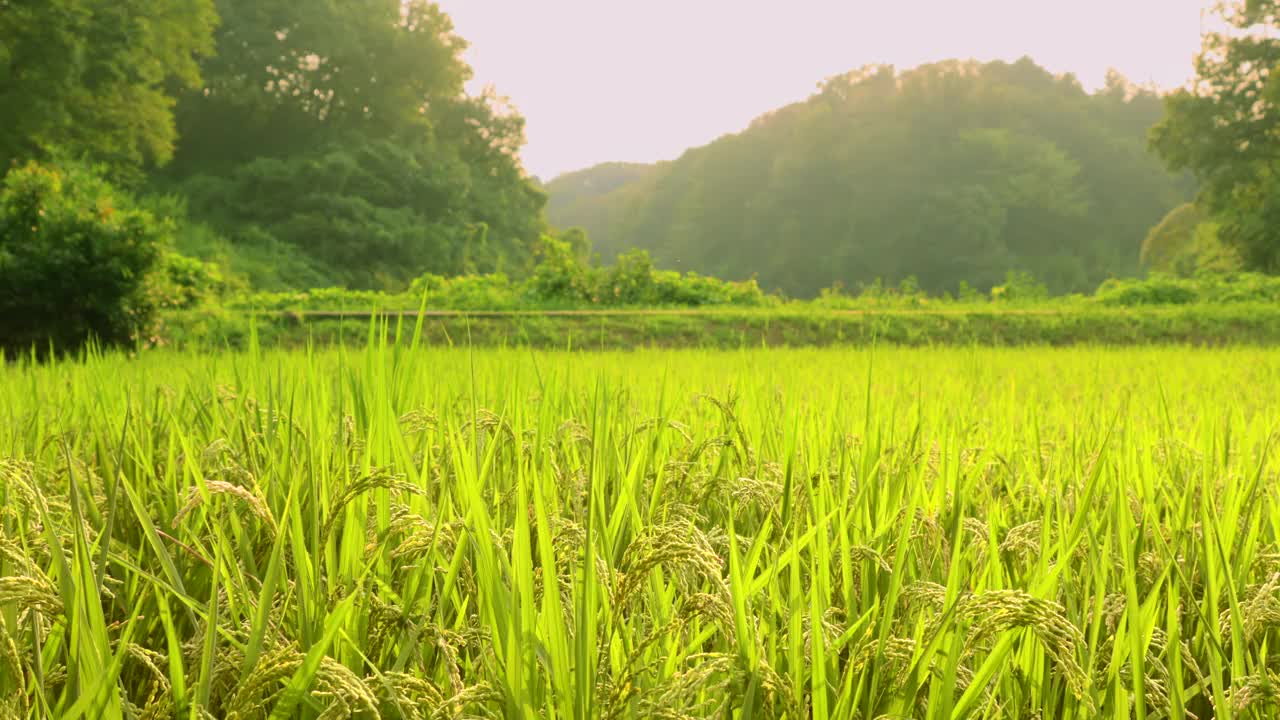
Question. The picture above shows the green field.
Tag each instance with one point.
(391, 532)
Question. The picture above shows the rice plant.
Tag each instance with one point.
(399, 531)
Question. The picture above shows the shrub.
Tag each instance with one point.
(183, 283)
(558, 281)
(467, 292)
(629, 281)
(1239, 288)
(559, 275)
(1020, 286)
(1207, 288)
(835, 298)
(1187, 242)
(1157, 290)
(75, 255)
(747, 293)
(968, 294)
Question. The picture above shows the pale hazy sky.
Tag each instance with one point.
(642, 80)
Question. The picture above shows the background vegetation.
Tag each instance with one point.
(394, 521)
(286, 154)
(950, 172)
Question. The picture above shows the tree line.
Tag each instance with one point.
(287, 143)
(952, 172)
(156, 151)
(958, 172)
(331, 142)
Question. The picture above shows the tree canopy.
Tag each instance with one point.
(76, 261)
(93, 78)
(342, 131)
(957, 171)
(1223, 129)
(336, 136)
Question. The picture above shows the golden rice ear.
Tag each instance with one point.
(250, 500)
(405, 695)
(1258, 614)
(343, 694)
(12, 659)
(1258, 692)
(682, 550)
(29, 592)
(378, 478)
(998, 611)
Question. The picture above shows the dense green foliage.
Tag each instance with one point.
(337, 136)
(304, 143)
(493, 310)
(559, 280)
(184, 283)
(402, 533)
(387, 525)
(93, 78)
(1209, 288)
(1188, 242)
(950, 172)
(560, 283)
(77, 261)
(1223, 130)
(1170, 245)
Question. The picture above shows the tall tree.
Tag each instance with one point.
(291, 72)
(1223, 129)
(94, 78)
(343, 130)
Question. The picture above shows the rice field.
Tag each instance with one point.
(404, 532)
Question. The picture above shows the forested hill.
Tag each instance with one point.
(952, 172)
(576, 194)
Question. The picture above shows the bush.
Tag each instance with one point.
(629, 281)
(559, 275)
(1239, 288)
(467, 292)
(559, 281)
(1205, 288)
(747, 293)
(875, 295)
(835, 298)
(969, 294)
(1187, 242)
(1157, 290)
(1021, 287)
(75, 255)
(183, 283)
